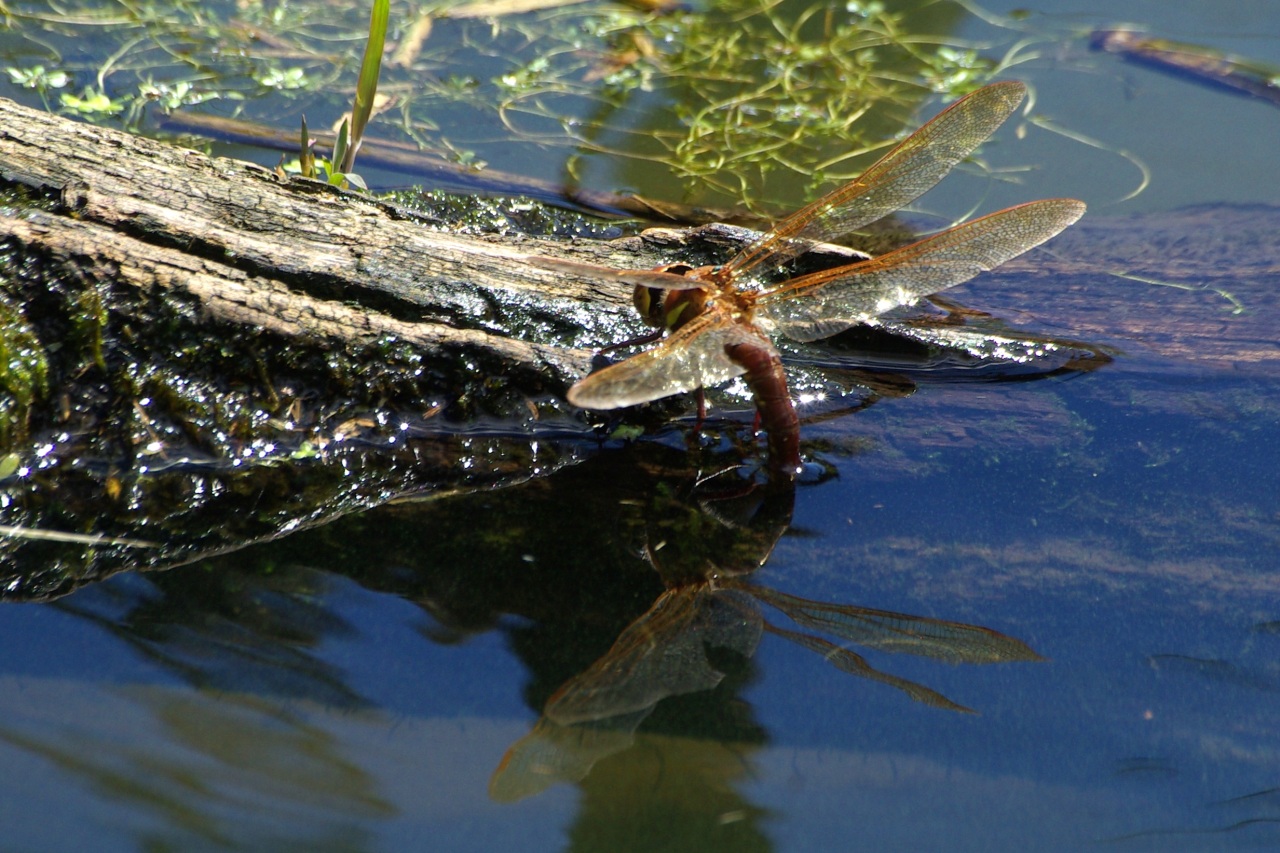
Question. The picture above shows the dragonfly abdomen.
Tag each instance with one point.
(768, 382)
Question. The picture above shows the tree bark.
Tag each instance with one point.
(295, 257)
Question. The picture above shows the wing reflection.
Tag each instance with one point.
(661, 654)
(705, 542)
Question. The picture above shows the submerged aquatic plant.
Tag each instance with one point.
(24, 372)
(730, 96)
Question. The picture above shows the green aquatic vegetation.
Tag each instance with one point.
(91, 103)
(125, 55)
(367, 84)
(733, 100)
(791, 94)
(88, 320)
(24, 372)
(339, 167)
(39, 78)
(175, 94)
(731, 97)
(285, 79)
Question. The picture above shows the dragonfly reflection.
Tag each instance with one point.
(712, 611)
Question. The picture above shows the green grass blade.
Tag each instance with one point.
(367, 85)
(306, 154)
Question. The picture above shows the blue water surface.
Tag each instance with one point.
(1123, 523)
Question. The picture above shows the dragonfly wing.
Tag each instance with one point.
(642, 278)
(553, 753)
(816, 306)
(692, 357)
(912, 168)
(855, 664)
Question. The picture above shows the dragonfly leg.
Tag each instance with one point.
(634, 342)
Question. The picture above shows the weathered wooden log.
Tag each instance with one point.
(317, 265)
(292, 256)
(306, 261)
(198, 313)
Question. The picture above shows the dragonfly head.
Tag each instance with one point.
(649, 305)
(670, 309)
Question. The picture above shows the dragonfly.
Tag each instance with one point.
(718, 320)
(708, 537)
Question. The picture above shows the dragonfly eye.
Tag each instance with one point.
(675, 314)
(642, 299)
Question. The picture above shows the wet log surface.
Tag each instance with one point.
(215, 332)
(311, 263)
(290, 256)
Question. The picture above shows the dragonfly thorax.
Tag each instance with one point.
(671, 309)
(674, 308)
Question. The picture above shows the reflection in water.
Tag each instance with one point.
(198, 511)
(237, 629)
(187, 771)
(1257, 829)
(705, 540)
(1221, 671)
(626, 587)
(670, 794)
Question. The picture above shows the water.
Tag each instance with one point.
(357, 686)
(232, 715)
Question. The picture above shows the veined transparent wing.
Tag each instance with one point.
(855, 664)
(912, 168)
(553, 753)
(816, 306)
(691, 357)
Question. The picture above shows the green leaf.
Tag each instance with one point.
(340, 146)
(367, 85)
(306, 155)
